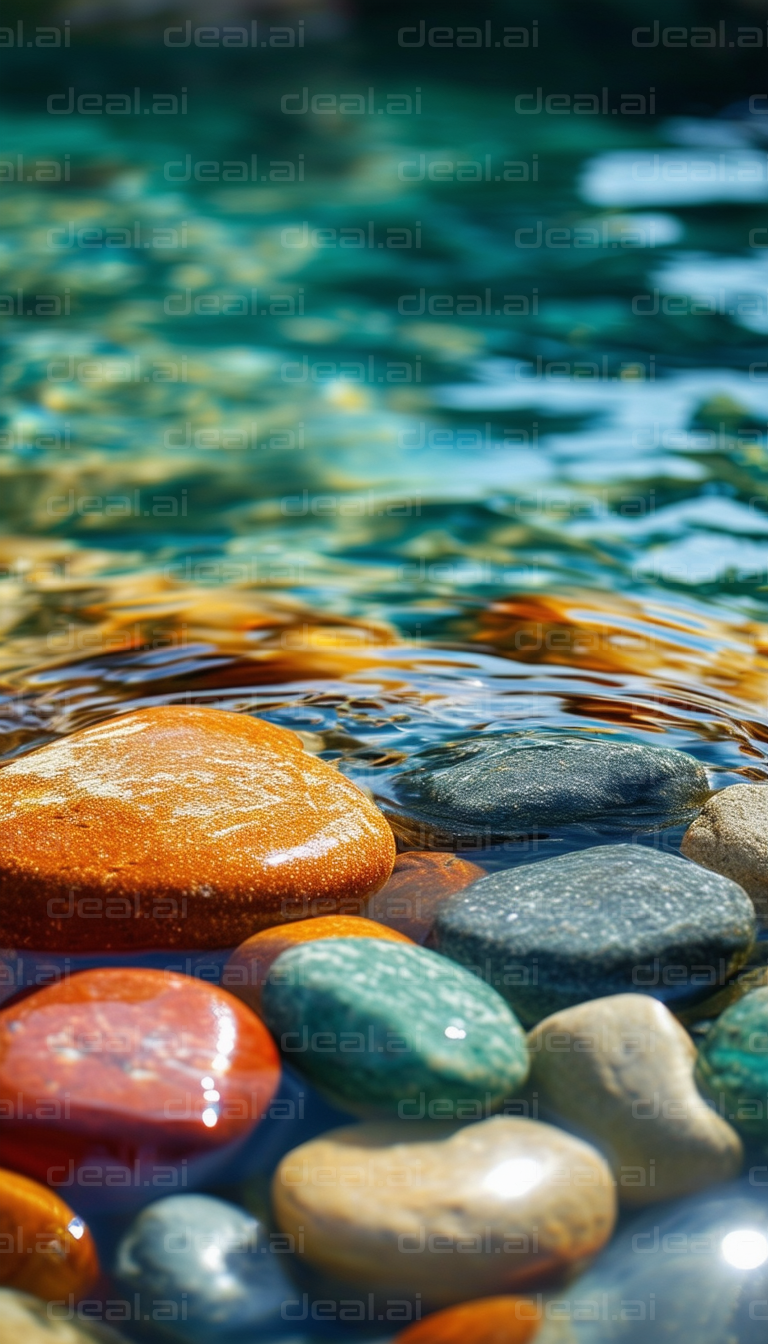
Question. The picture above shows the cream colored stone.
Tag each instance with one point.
(452, 1214)
(620, 1071)
(730, 836)
(26, 1320)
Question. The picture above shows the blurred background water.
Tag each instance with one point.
(395, 373)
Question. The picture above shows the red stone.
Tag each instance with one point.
(419, 883)
(489, 1320)
(179, 827)
(111, 1068)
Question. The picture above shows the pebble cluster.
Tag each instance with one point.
(402, 1098)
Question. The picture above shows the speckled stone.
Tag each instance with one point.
(25, 1319)
(487, 1209)
(495, 786)
(490, 1320)
(732, 1066)
(383, 1028)
(247, 970)
(213, 1260)
(730, 836)
(44, 1247)
(694, 1273)
(107, 1069)
(178, 827)
(419, 883)
(620, 1072)
(606, 920)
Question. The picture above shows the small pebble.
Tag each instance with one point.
(620, 1072)
(46, 1249)
(495, 786)
(179, 827)
(386, 1028)
(695, 1272)
(213, 1262)
(247, 970)
(608, 920)
(730, 836)
(490, 1320)
(732, 1067)
(114, 1067)
(25, 1319)
(419, 882)
(489, 1208)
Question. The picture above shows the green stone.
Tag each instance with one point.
(387, 1029)
(732, 1067)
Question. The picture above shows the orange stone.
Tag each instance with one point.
(247, 970)
(418, 884)
(46, 1248)
(113, 1068)
(489, 1320)
(178, 827)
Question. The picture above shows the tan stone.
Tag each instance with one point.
(451, 1214)
(730, 836)
(26, 1320)
(620, 1071)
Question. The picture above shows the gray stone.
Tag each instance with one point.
(210, 1259)
(696, 1275)
(608, 920)
(730, 836)
(620, 1071)
(495, 786)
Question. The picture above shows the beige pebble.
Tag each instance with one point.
(27, 1320)
(730, 836)
(450, 1214)
(620, 1071)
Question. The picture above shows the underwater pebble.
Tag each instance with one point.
(486, 1209)
(247, 970)
(620, 1071)
(46, 1248)
(178, 827)
(730, 836)
(490, 1320)
(25, 1319)
(732, 1066)
(383, 1028)
(695, 1272)
(419, 882)
(494, 786)
(600, 921)
(111, 1068)
(213, 1261)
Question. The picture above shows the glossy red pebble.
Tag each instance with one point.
(489, 1320)
(247, 970)
(178, 827)
(113, 1068)
(46, 1248)
(419, 882)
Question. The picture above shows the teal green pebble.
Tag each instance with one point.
(732, 1067)
(384, 1029)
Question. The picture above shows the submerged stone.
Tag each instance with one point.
(732, 1066)
(385, 1028)
(489, 1320)
(495, 786)
(25, 1319)
(608, 920)
(178, 827)
(487, 1209)
(419, 883)
(212, 1261)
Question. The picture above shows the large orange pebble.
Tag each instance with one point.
(419, 883)
(113, 1078)
(178, 827)
(489, 1320)
(46, 1249)
(247, 970)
